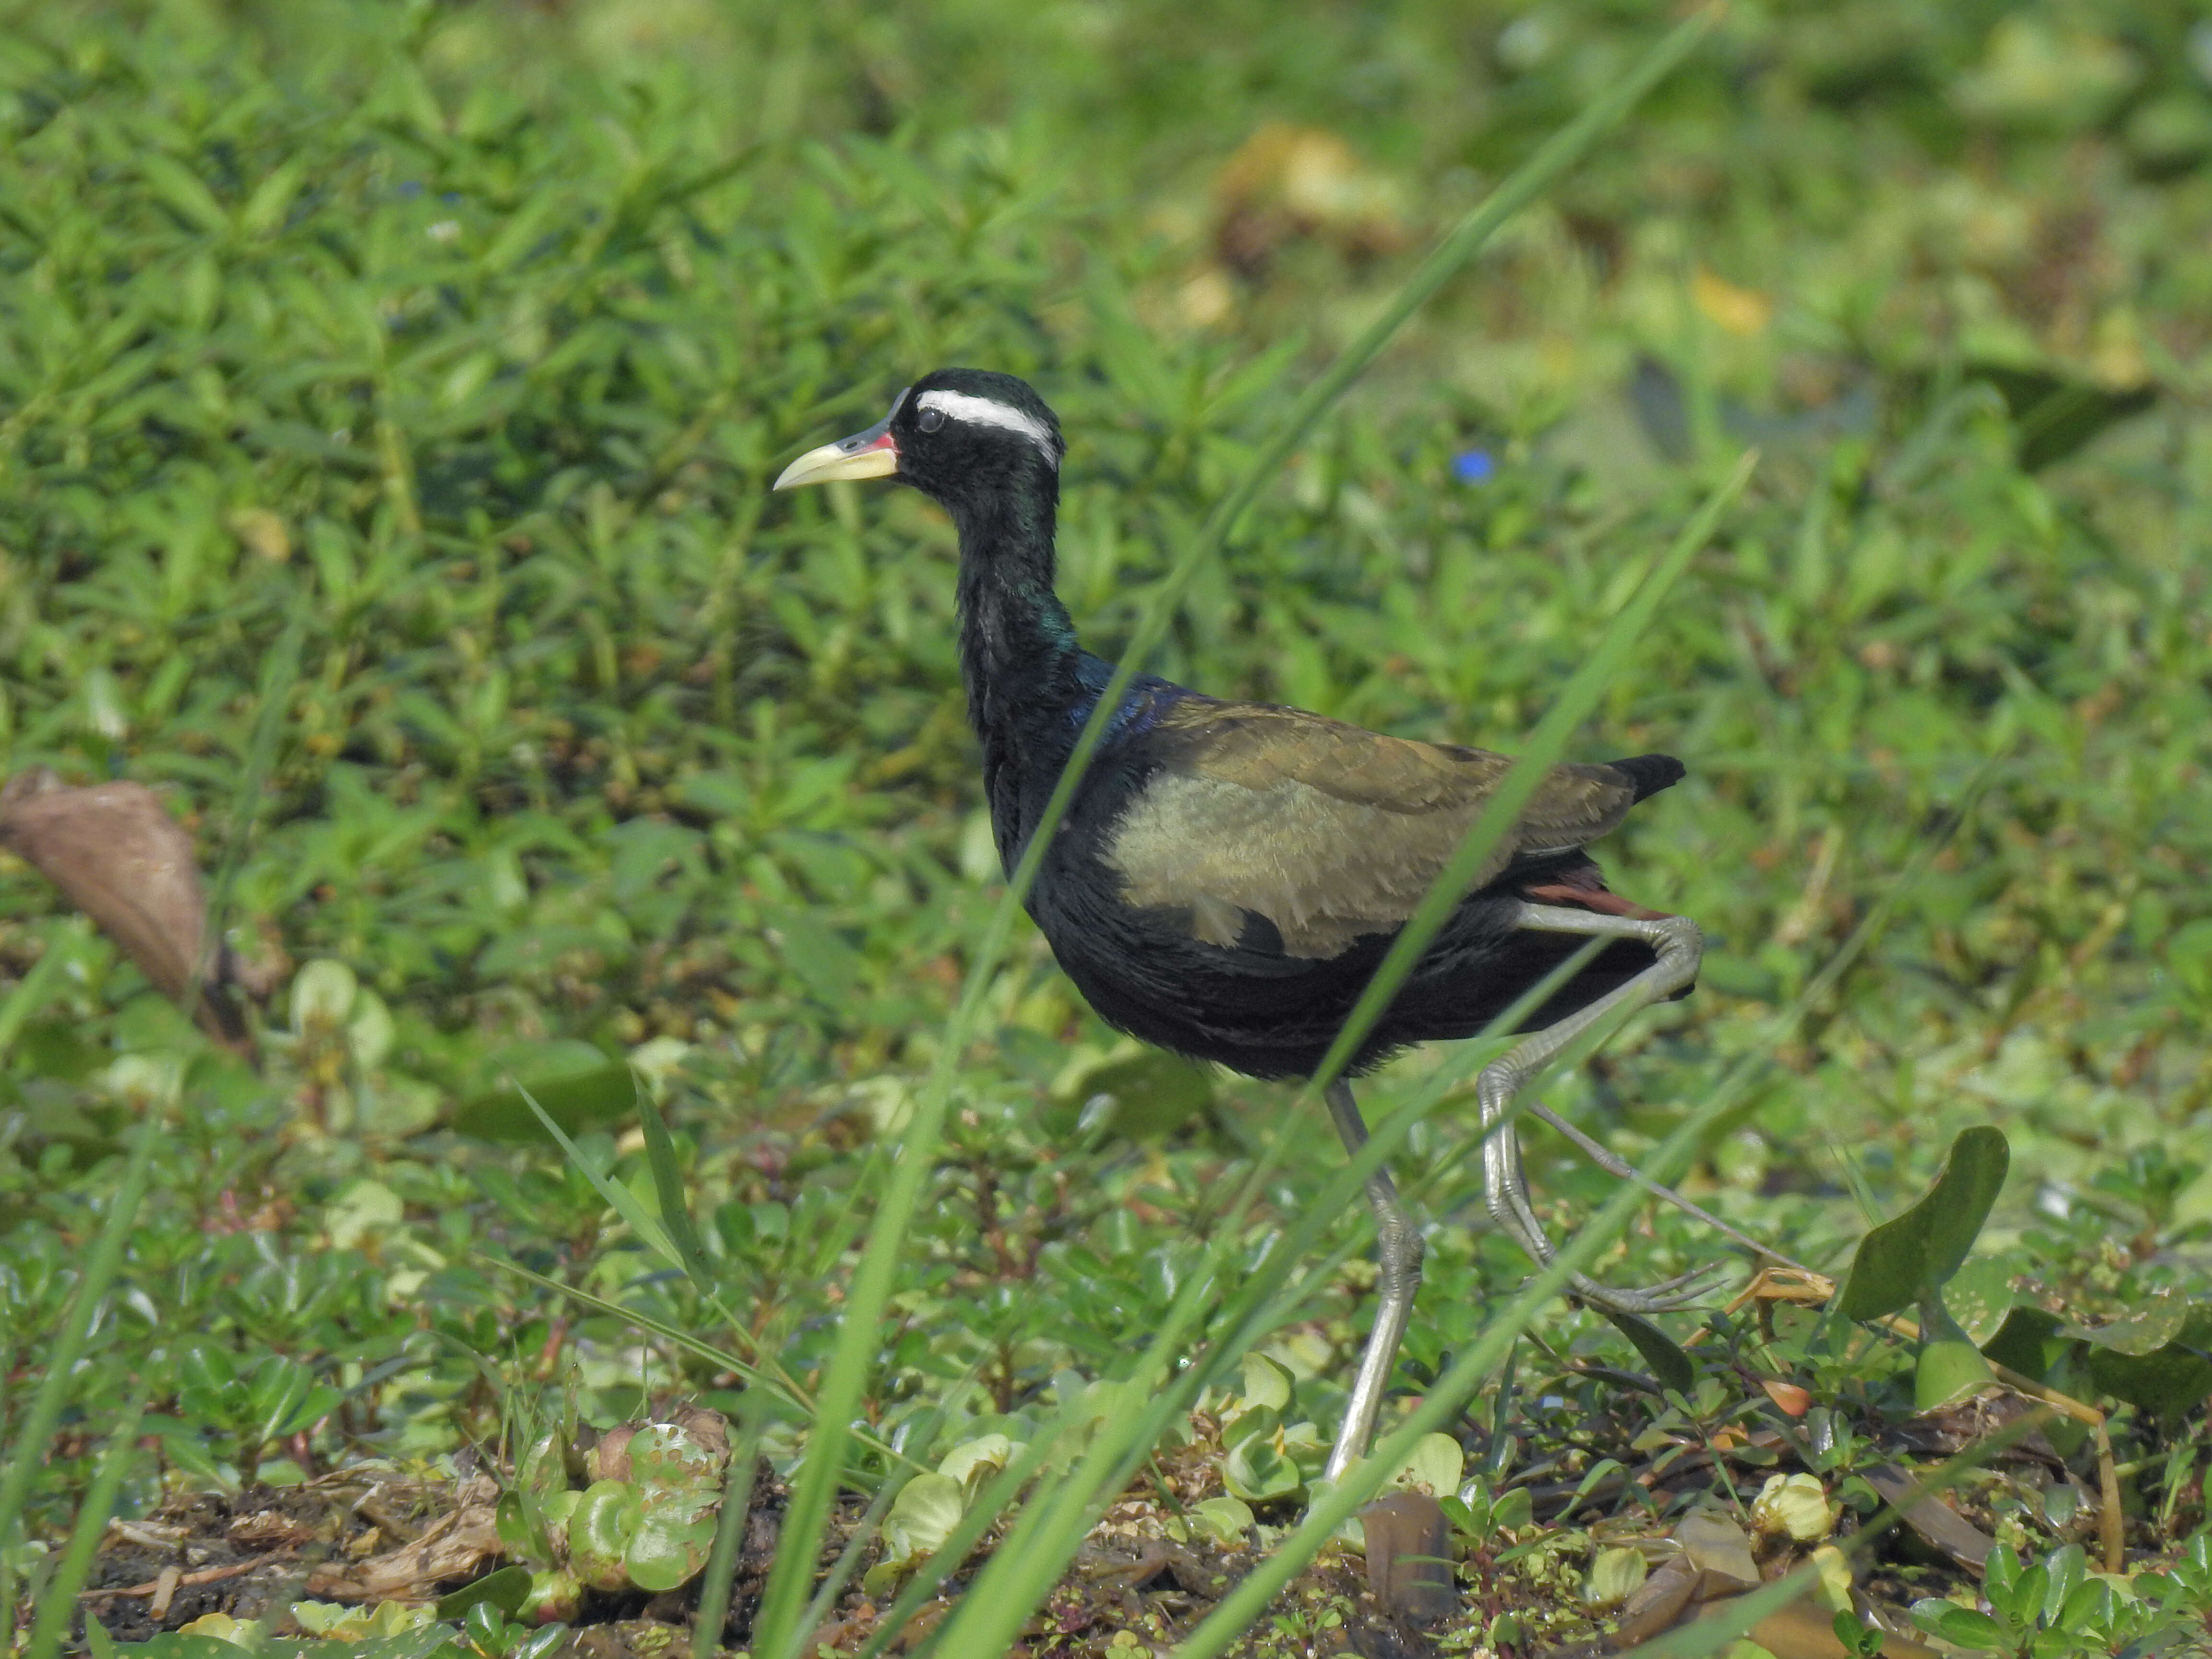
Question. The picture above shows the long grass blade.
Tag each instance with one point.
(57, 1604)
(845, 1378)
(729, 1530)
(280, 673)
(775, 1380)
(659, 1233)
(101, 1264)
(668, 1188)
(38, 987)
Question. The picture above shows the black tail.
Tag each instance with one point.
(1649, 773)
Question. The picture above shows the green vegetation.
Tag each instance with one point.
(388, 395)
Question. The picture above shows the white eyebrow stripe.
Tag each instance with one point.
(983, 411)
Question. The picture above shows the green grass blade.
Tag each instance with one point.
(729, 1530)
(668, 1187)
(619, 1198)
(101, 1264)
(57, 1604)
(770, 1375)
(30, 994)
(280, 673)
(845, 1378)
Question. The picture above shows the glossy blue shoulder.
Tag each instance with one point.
(1147, 698)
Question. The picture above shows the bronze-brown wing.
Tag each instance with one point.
(1327, 831)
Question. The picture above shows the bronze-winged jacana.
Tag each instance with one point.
(1230, 873)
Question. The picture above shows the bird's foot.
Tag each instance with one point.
(1679, 1291)
(1517, 1219)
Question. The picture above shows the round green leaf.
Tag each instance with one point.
(322, 994)
(973, 1461)
(1434, 1465)
(923, 1515)
(1226, 1520)
(1255, 1470)
(670, 1546)
(599, 1532)
(1614, 1577)
(667, 1461)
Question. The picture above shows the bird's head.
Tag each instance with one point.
(957, 434)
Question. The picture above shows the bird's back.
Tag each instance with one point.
(1233, 873)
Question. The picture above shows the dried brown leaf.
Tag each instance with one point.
(119, 857)
(1409, 1556)
(457, 1548)
(1936, 1521)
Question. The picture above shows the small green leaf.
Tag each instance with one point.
(322, 995)
(521, 1527)
(2000, 1573)
(1513, 1510)
(209, 1366)
(1968, 1629)
(1226, 1520)
(1434, 1466)
(922, 1516)
(1267, 1384)
(1668, 1362)
(599, 1532)
(577, 1101)
(2156, 1322)
(2028, 1342)
(1794, 1506)
(1980, 1296)
(973, 1461)
(1256, 1470)
(554, 1597)
(484, 1629)
(2167, 1382)
(1615, 1575)
(1950, 1367)
(670, 1544)
(2067, 1566)
(504, 1589)
(668, 1462)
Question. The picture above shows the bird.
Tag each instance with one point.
(1229, 874)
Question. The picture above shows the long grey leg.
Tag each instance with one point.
(1399, 1247)
(1678, 945)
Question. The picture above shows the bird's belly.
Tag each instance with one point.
(1272, 1015)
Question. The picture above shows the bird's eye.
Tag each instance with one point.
(931, 420)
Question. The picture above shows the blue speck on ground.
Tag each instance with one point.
(1475, 466)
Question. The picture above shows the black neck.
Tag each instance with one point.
(1017, 650)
